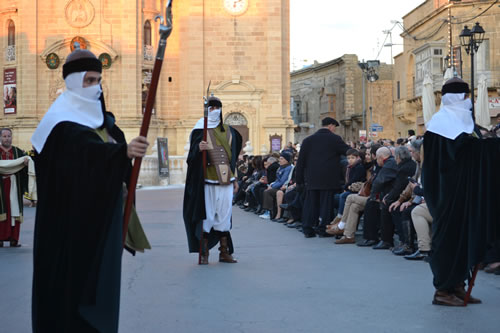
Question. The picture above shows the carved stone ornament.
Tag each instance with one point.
(80, 40)
(56, 85)
(52, 61)
(236, 119)
(105, 60)
(79, 13)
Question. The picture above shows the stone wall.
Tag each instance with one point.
(341, 79)
(245, 56)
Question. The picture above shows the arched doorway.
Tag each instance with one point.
(239, 123)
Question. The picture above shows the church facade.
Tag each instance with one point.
(242, 47)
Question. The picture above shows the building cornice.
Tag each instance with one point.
(317, 67)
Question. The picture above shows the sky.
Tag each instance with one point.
(323, 30)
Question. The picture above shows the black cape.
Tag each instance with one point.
(194, 194)
(78, 231)
(460, 179)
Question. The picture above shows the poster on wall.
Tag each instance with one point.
(9, 91)
(163, 166)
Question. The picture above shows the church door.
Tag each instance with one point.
(239, 123)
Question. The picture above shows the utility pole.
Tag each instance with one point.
(450, 36)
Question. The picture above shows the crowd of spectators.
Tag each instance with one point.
(382, 199)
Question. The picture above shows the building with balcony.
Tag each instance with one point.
(432, 44)
(335, 89)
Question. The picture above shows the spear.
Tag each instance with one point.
(165, 31)
(204, 153)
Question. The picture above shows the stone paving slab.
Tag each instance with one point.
(283, 283)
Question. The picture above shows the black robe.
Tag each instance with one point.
(78, 230)
(194, 193)
(460, 179)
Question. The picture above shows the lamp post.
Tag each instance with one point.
(369, 72)
(471, 39)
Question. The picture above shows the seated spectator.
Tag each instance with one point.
(355, 173)
(406, 169)
(401, 209)
(280, 197)
(382, 185)
(271, 167)
(247, 187)
(354, 206)
(422, 221)
(281, 179)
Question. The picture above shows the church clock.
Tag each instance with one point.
(235, 7)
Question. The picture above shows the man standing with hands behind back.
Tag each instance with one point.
(319, 170)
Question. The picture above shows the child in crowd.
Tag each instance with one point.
(355, 175)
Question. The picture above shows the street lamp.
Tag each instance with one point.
(369, 72)
(470, 40)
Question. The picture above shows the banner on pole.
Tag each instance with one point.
(163, 165)
(9, 91)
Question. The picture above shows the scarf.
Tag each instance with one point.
(453, 118)
(76, 104)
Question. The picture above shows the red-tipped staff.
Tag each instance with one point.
(471, 285)
(204, 154)
(165, 31)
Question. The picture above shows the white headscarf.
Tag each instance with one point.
(453, 118)
(76, 104)
(213, 120)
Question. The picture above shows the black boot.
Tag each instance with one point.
(407, 239)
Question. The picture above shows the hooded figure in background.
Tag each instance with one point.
(460, 178)
(82, 161)
(208, 198)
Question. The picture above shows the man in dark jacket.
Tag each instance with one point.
(381, 186)
(318, 169)
(406, 168)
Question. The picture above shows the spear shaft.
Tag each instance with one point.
(165, 31)
(204, 157)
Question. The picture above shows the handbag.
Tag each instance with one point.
(365, 189)
(355, 187)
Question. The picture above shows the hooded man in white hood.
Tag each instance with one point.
(82, 161)
(459, 178)
(208, 195)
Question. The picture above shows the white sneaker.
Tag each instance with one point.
(266, 216)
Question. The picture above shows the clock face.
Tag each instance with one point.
(236, 7)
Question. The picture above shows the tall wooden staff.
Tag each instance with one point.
(204, 154)
(165, 31)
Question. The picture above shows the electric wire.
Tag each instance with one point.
(480, 14)
(445, 22)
